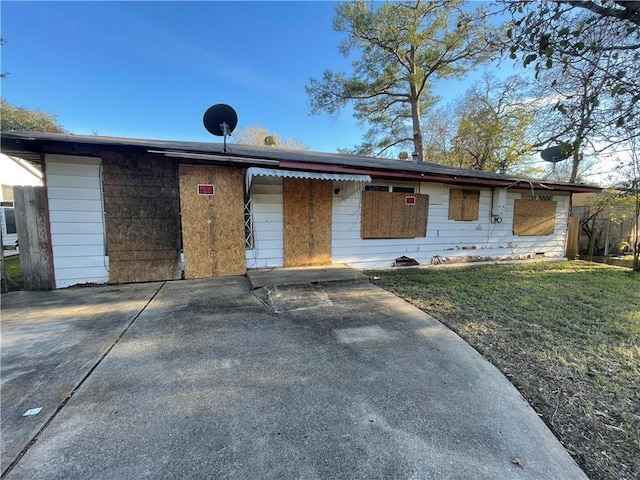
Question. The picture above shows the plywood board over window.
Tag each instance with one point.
(464, 204)
(391, 215)
(534, 217)
(142, 214)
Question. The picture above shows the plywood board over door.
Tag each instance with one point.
(307, 222)
(212, 225)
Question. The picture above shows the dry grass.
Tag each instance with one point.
(566, 334)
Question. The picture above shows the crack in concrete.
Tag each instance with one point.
(35, 438)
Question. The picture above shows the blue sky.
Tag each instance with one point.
(151, 69)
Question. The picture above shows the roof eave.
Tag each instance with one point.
(35, 144)
(443, 178)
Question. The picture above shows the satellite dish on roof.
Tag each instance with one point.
(555, 154)
(220, 120)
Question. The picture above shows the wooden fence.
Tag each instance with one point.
(33, 238)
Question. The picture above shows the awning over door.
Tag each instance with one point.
(348, 184)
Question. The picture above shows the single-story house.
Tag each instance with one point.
(132, 210)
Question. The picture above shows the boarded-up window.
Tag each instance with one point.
(464, 204)
(534, 217)
(394, 214)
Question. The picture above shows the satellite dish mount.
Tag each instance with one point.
(555, 154)
(220, 120)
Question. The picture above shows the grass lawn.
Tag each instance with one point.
(13, 272)
(567, 335)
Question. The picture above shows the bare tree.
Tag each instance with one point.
(582, 114)
(257, 135)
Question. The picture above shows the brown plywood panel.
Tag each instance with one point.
(386, 215)
(307, 222)
(534, 217)
(368, 214)
(422, 209)
(296, 196)
(140, 270)
(410, 218)
(397, 227)
(455, 204)
(212, 226)
(136, 255)
(136, 165)
(470, 204)
(463, 204)
(164, 208)
(142, 216)
(320, 226)
(136, 191)
(228, 224)
(142, 180)
(128, 234)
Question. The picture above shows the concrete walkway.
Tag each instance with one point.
(208, 381)
(265, 277)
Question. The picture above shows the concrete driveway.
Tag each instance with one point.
(203, 379)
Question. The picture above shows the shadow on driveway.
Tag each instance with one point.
(210, 382)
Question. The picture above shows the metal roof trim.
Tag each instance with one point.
(275, 172)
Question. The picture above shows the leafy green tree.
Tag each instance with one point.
(404, 48)
(257, 135)
(14, 118)
(488, 128)
(561, 33)
(493, 122)
(584, 107)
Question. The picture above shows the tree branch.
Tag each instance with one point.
(629, 12)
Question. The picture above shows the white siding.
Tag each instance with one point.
(76, 217)
(447, 239)
(267, 224)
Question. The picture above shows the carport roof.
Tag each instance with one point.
(31, 145)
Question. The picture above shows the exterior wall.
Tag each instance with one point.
(446, 240)
(267, 212)
(76, 218)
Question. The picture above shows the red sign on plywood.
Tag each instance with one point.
(409, 200)
(206, 190)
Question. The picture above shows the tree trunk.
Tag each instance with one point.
(418, 141)
(592, 241)
(636, 236)
(577, 157)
